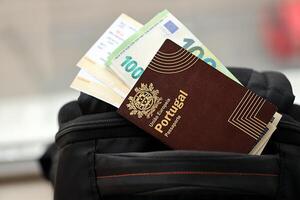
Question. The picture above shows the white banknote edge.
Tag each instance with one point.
(97, 90)
(97, 68)
(259, 147)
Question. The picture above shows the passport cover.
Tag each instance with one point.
(188, 105)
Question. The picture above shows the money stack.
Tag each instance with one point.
(113, 65)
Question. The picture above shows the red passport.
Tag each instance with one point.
(189, 105)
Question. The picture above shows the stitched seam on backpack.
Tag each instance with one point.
(210, 173)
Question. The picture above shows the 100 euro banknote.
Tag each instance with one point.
(131, 58)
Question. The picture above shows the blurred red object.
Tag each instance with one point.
(281, 28)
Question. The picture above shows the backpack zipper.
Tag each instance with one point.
(90, 124)
(116, 120)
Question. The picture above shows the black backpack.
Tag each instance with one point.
(100, 155)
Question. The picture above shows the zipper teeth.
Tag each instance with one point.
(120, 121)
(90, 124)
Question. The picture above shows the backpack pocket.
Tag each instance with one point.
(187, 173)
(111, 158)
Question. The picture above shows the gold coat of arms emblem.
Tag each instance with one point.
(145, 101)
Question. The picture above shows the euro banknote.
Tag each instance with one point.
(131, 58)
(93, 61)
(272, 126)
(86, 83)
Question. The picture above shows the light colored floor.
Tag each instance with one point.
(26, 189)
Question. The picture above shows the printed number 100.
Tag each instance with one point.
(197, 49)
(132, 68)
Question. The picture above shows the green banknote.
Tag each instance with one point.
(131, 58)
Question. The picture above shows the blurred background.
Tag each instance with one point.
(42, 40)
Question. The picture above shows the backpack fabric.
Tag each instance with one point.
(100, 155)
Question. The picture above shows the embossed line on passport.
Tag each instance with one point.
(244, 116)
(171, 63)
